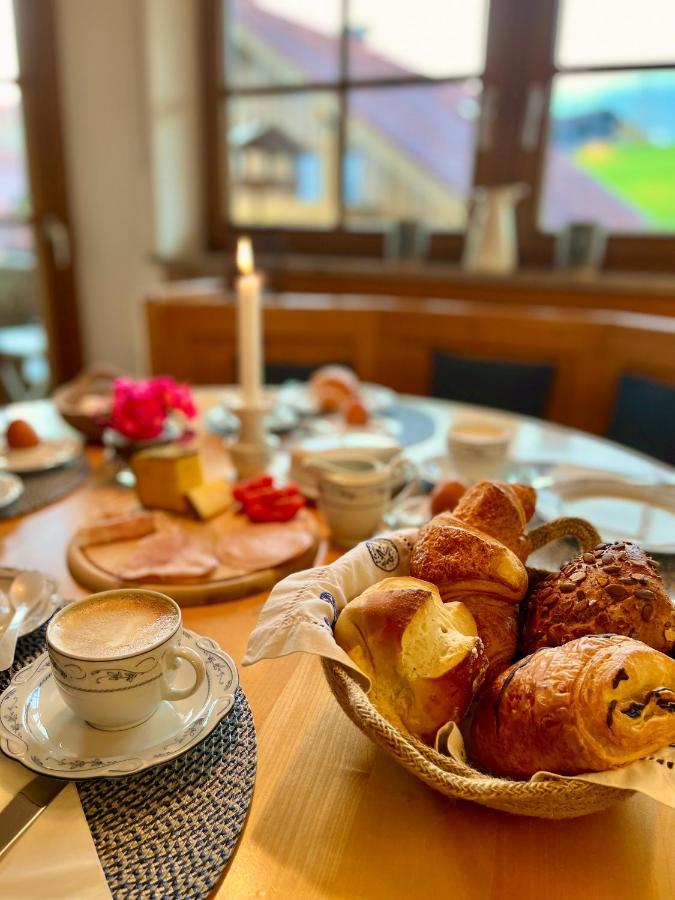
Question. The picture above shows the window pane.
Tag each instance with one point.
(16, 247)
(615, 32)
(282, 159)
(9, 67)
(410, 153)
(13, 171)
(611, 156)
(428, 37)
(272, 42)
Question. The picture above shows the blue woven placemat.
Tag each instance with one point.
(170, 831)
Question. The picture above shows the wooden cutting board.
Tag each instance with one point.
(93, 566)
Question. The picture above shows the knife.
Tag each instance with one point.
(26, 806)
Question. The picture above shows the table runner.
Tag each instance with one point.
(42, 488)
(169, 831)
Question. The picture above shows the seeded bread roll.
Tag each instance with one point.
(614, 588)
(468, 565)
(424, 658)
(596, 703)
(500, 510)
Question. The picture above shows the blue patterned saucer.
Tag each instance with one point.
(38, 729)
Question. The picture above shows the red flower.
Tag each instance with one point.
(140, 408)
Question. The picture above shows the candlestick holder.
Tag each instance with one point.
(254, 448)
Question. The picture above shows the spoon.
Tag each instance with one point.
(25, 593)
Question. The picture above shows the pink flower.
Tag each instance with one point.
(140, 408)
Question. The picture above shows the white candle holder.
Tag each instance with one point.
(254, 448)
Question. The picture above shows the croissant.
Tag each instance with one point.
(500, 510)
(595, 703)
(614, 588)
(468, 565)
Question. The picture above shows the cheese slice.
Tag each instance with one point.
(208, 500)
(164, 475)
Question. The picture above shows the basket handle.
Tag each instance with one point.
(580, 529)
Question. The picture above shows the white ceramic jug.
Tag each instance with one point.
(491, 243)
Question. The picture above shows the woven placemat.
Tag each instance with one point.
(170, 831)
(42, 488)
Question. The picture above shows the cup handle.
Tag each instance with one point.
(170, 661)
(409, 473)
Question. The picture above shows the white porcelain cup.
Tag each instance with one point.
(479, 445)
(355, 492)
(116, 692)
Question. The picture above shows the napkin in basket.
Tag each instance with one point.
(56, 857)
(301, 611)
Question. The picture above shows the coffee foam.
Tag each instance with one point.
(107, 627)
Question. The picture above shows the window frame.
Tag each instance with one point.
(517, 30)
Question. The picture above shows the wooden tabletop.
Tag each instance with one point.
(332, 816)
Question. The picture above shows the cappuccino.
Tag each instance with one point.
(114, 626)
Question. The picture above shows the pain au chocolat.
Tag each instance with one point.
(614, 588)
(596, 703)
(471, 566)
(423, 657)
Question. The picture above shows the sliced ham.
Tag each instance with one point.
(262, 546)
(169, 554)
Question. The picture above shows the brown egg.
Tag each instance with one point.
(355, 412)
(21, 435)
(445, 496)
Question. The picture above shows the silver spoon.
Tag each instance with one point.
(25, 593)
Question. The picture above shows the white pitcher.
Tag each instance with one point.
(491, 243)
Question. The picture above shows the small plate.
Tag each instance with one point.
(620, 510)
(39, 731)
(40, 614)
(11, 488)
(297, 394)
(223, 421)
(47, 455)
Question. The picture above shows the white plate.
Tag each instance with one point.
(620, 510)
(38, 729)
(47, 455)
(297, 394)
(40, 614)
(11, 488)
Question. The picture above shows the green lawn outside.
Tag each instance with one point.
(639, 173)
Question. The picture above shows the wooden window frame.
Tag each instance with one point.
(519, 58)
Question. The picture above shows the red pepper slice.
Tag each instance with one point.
(244, 487)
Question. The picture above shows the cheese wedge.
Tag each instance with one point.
(208, 500)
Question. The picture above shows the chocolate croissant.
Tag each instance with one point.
(468, 565)
(614, 588)
(596, 703)
(500, 510)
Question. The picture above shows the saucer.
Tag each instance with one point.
(11, 488)
(46, 455)
(39, 731)
(39, 615)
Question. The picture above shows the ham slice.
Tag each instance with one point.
(262, 546)
(169, 554)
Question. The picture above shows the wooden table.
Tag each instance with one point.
(334, 817)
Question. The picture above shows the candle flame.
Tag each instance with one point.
(245, 255)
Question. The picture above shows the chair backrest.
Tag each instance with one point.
(516, 386)
(644, 417)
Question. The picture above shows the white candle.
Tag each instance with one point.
(249, 325)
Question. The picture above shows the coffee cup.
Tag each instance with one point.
(356, 491)
(478, 445)
(114, 656)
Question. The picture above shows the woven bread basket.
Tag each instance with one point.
(543, 799)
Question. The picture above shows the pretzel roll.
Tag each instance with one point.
(424, 658)
(595, 703)
(470, 566)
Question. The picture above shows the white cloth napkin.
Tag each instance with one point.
(55, 859)
(299, 615)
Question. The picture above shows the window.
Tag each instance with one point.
(330, 122)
